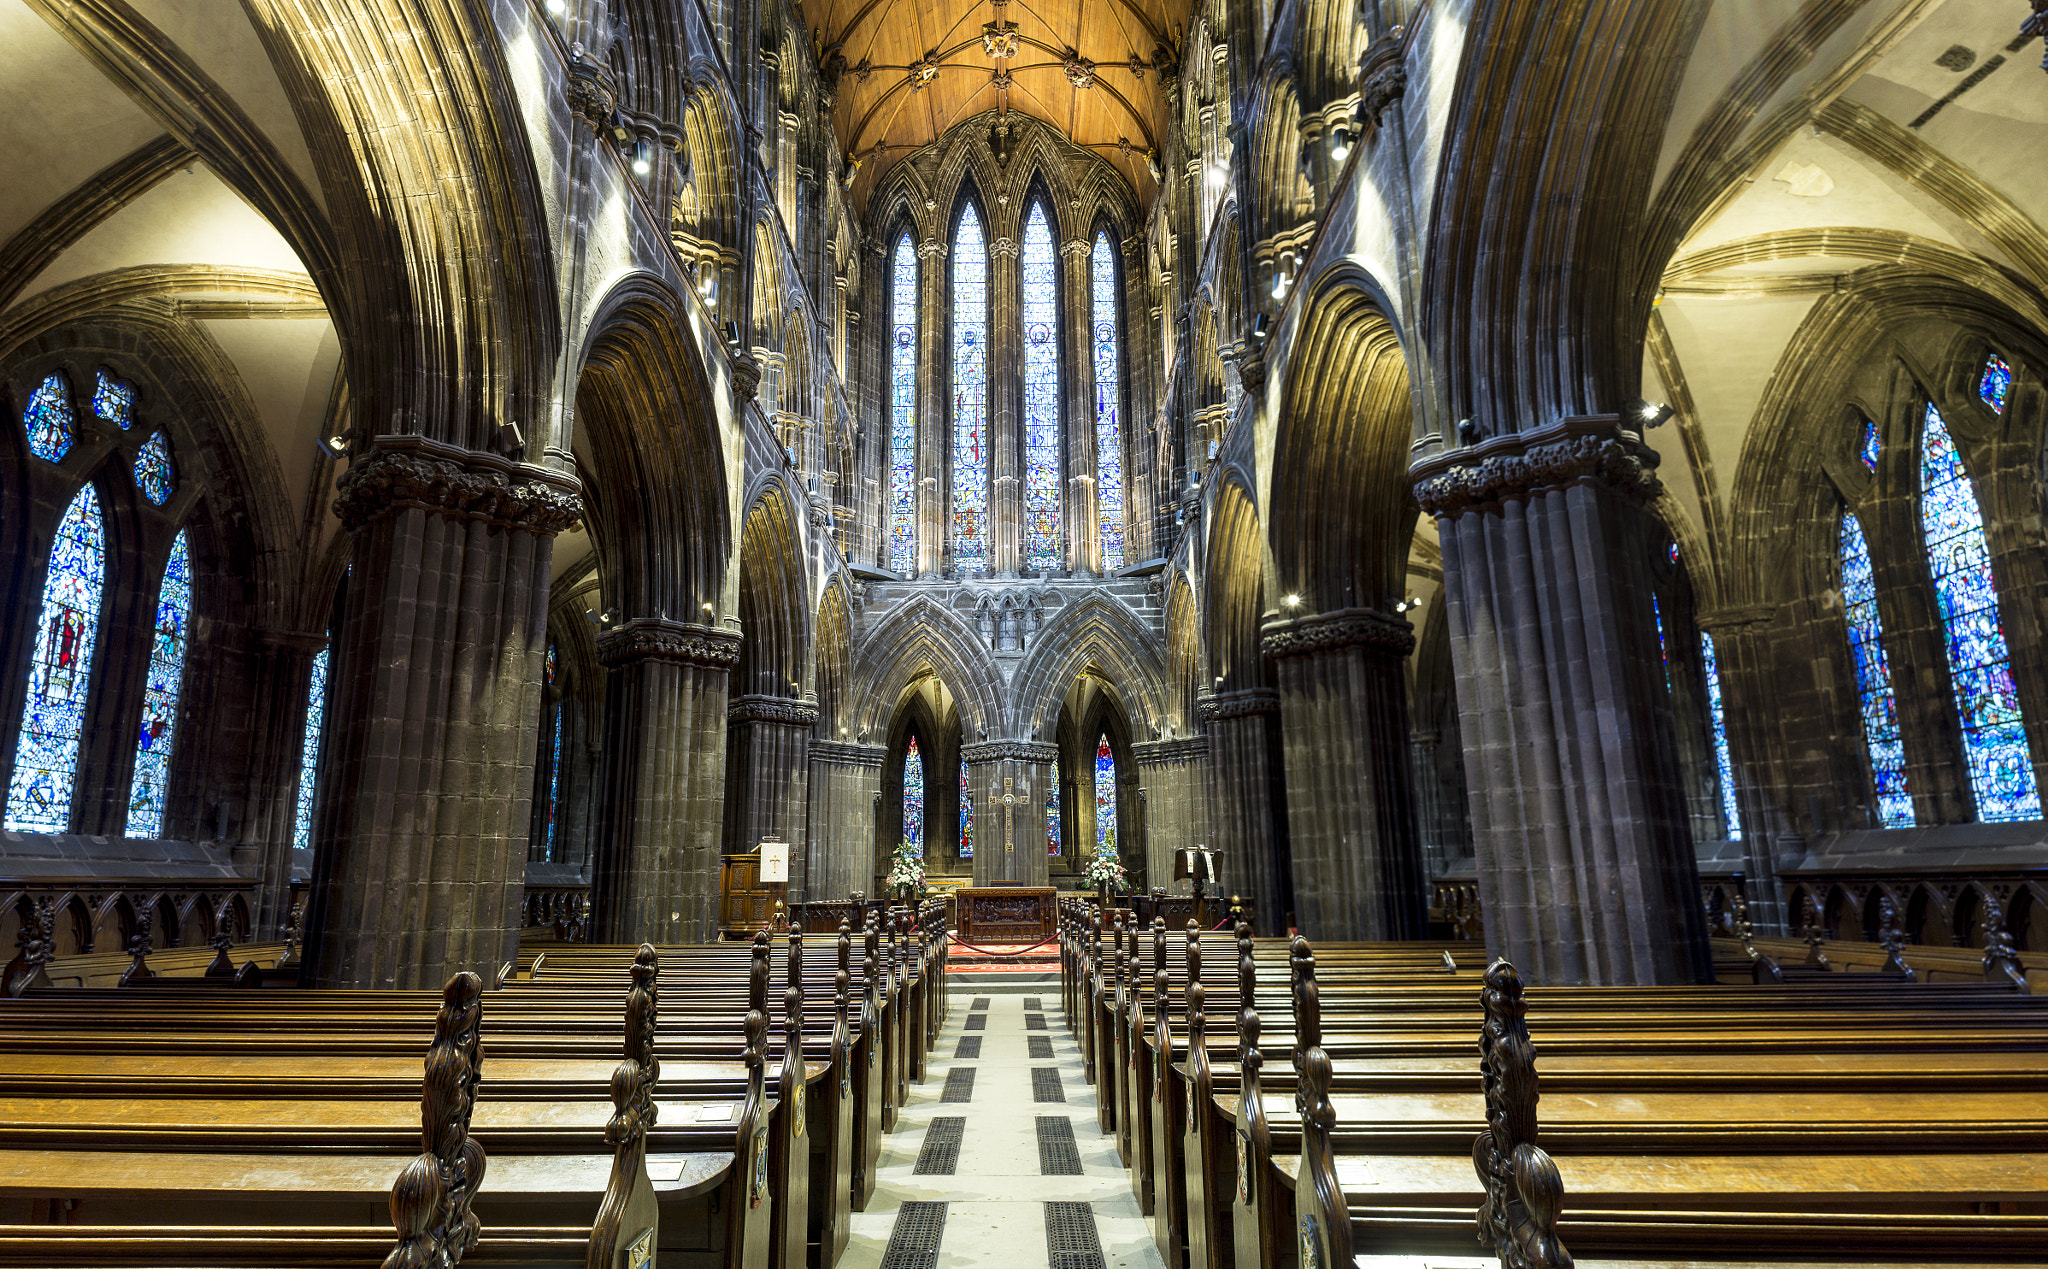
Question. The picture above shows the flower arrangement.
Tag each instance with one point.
(906, 872)
(1105, 873)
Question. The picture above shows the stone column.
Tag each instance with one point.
(1009, 778)
(934, 532)
(1586, 868)
(1005, 409)
(1174, 775)
(1350, 813)
(768, 767)
(656, 872)
(420, 842)
(1247, 822)
(845, 784)
(278, 739)
(1077, 517)
(1743, 653)
(1429, 798)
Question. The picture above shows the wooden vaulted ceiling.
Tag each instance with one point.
(910, 69)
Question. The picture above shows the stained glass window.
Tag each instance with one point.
(1995, 382)
(113, 400)
(60, 675)
(1870, 446)
(152, 783)
(1874, 678)
(309, 751)
(966, 815)
(551, 837)
(1105, 799)
(1674, 552)
(552, 664)
(1711, 668)
(1109, 449)
(903, 408)
(1979, 662)
(153, 468)
(48, 419)
(970, 393)
(913, 799)
(1052, 813)
(1041, 394)
(1663, 646)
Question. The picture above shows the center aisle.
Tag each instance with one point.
(996, 1159)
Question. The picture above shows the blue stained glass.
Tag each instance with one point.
(1880, 707)
(1871, 444)
(970, 393)
(1105, 799)
(1711, 667)
(1979, 662)
(309, 752)
(903, 408)
(1052, 813)
(1674, 552)
(913, 799)
(1042, 493)
(48, 419)
(1663, 647)
(153, 468)
(551, 837)
(113, 400)
(553, 663)
(1109, 449)
(60, 675)
(966, 815)
(1995, 383)
(150, 790)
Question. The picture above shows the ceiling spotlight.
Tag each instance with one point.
(1292, 601)
(641, 166)
(1279, 285)
(1340, 145)
(336, 446)
(556, 7)
(708, 608)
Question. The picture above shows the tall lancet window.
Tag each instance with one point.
(970, 393)
(1710, 667)
(1041, 394)
(1979, 662)
(1109, 385)
(1052, 813)
(1880, 706)
(551, 813)
(152, 783)
(913, 799)
(309, 751)
(1105, 799)
(60, 675)
(903, 407)
(966, 815)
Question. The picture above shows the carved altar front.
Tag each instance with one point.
(1006, 914)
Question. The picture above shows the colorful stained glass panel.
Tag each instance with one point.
(552, 664)
(1995, 383)
(309, 752)
(1880, 706)
(113, 399)
(552, 837)
(60, 673)
(1105, 799)
(1710, 666)
(913, 798)
(153, 468)
(1663, 645)
(1979, 660)
(903, 408)
(966, 815)
(1042, 492)
(1870, 446)
(970, 393)
(1052, 813)
(51, 427)
(1109, 448)
(150, 790)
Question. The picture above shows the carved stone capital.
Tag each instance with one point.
(1343, 628)
(746, 376)
(592, 90)
(848, 755)
(1577, 449)
(1382, 78)
(677, 642)
(1004, 248)
(1160, 752)
(786, 710)
(1223, 705)
(1018, 750)
(401, 473)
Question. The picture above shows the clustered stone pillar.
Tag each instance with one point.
(420, 844)
(1174, 775)
(1248, 821)
(1009, 779)
(280, 728)
(656, 875)
(1350, 816)
(1586, 870)
(845, 786)
(768, 766)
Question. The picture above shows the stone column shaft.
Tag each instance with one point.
(768, 763)
(1246, 820)
(656, 872)
(1005, 409)
(1350, 813)
(1009, 835)
(845, 785)
(1586, 866)
(1175, 777)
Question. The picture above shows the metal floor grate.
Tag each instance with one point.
(976, 1022)
(959, 1085)
(969, 1048)
(914, 1239)
(1041, 1046)
(1032, 1005)
(941, 1151)
(1070, 1238)
(1034, 1022)
(1046, 1086)
(1058, 1155)
(980, 1002)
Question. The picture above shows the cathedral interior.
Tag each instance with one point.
(1563, 477)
